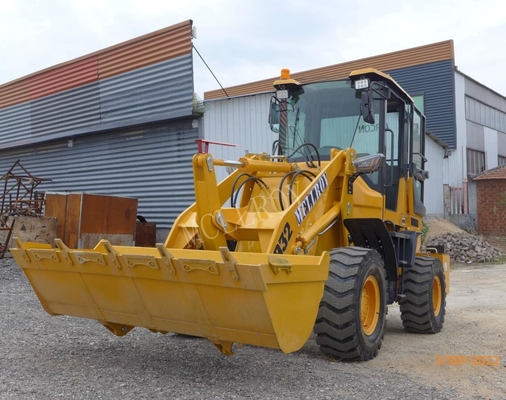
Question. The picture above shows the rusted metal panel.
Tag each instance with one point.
(84, 218)
(15, 92)
(399, 59)
(108, 214)
(56, 207)
(63, 78)
(165, 44)
(145, 234)
(171, 42)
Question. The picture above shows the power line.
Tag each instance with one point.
(222, 88)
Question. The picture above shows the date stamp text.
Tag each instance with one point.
(459, 359)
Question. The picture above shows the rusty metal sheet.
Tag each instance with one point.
(63, 78)
(165, 44)
(14, 93)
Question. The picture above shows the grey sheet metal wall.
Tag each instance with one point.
(144, 80)
(436, 81)
(119, 122)
(152, 163)
(242, 121)
(153, 93)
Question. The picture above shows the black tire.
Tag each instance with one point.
(424, 305)
(341, 329)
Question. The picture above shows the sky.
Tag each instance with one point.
(245, 41)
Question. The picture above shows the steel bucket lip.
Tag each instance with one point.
(282, 302)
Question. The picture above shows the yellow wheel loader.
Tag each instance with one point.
(321, 234)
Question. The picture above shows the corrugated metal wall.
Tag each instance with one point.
(153, 164)
(433, 187)
(116, 122)
(242, 121)
(427, 70)
(434, 52)
(68, 112)
(144, 80)
(436, 82)
(163, 90)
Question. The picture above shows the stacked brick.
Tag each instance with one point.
(465, 248)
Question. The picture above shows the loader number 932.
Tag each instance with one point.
(283, 240)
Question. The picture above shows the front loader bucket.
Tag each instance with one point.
(251, 298)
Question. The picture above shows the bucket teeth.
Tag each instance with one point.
(226, 347)
(229, 262)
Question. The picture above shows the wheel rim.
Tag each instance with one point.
(370, 305)
(436, 295)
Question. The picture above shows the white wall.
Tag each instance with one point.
(457, 167)
(491, 147)
(433, 187)
(242, 121)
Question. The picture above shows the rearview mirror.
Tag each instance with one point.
(274, 112)
(366, 107)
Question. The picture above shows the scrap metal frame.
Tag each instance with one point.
(19, 197)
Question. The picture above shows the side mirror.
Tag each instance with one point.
(274, 112)
(419, 173)
(366, 107)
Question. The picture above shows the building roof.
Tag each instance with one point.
(398, 59)
(494, 173)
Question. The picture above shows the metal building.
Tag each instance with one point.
(122, 121)
(119, 121)
(465, 120)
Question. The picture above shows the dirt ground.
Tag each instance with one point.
(475, 325)
(46, 357)
(499, 242)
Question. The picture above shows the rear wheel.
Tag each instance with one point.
(351, 318)
(424, 305)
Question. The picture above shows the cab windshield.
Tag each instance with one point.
(326, 115)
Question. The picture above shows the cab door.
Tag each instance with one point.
(396, 149)
(417, 163)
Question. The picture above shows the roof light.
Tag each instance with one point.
(285, 82)
(285, 73)
(362, 84)
(282, 94)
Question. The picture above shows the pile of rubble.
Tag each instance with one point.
(464, 247)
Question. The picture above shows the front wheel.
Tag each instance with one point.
(423, 306)
(351, 318)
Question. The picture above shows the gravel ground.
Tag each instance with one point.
(44, 357)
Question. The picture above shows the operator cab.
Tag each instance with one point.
(369, 112)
